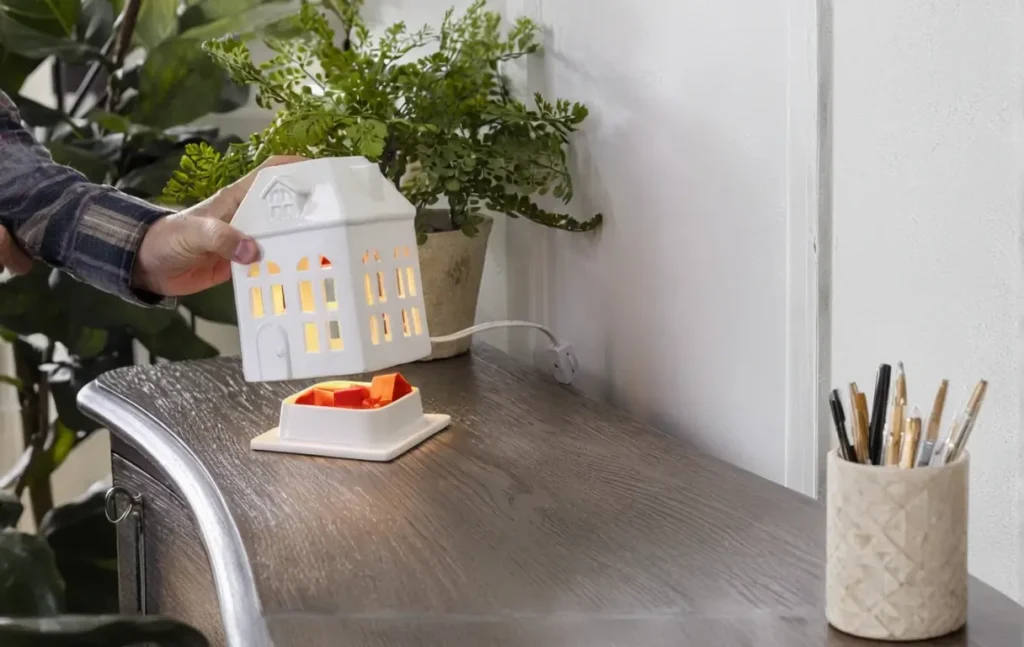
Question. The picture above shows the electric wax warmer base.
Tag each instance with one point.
(375, 421)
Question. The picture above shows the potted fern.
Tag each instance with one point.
(443, 126)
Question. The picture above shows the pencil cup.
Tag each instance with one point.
(896, 549)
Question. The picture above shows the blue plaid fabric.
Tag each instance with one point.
(90, 231)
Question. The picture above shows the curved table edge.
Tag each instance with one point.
(240, 606)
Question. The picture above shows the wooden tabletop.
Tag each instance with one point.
(538, 518)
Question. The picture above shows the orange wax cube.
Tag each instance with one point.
(306, 397)
(323, 397)
(350, 398)
(385, 389)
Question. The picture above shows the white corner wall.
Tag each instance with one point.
(677, 309)
(927, 226)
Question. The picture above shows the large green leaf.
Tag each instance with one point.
(10, 509)
(247, 21)
(31, 583)
(158, 21)
(36, 114)
(96, 631)
(89, 164)
(216, 304)
(31, 42)
(177, 342)
(87, 306)
(41, 14)
(177, 84)
(96, 21)
(85, 545)
(149, 181)
(14, 69)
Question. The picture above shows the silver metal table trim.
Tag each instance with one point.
(240, 607)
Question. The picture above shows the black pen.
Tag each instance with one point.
(839, 416)
(875, 440)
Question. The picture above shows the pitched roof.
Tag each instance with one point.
(338, 190)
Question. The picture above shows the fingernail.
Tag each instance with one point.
(246, 252)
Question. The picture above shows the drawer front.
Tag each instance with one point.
(177, 576)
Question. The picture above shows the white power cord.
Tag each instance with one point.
(561, 358)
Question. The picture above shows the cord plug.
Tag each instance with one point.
(562, 362)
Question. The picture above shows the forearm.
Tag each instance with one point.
(93, 232)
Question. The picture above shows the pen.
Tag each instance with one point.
(910, 438)
(957, 444)
(943, 446)
(859, 428)
(899, 405)
(927, 443)
(878, 413)
(839, 417)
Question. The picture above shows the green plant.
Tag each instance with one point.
(440, 125)
(33, 597)
(129, 78)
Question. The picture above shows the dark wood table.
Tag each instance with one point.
(539, 518)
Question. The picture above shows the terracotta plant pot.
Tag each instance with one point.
(451, 268)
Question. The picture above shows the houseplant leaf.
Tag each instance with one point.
(90, 164)
(96, 21)
(84, 545)
(158, 21)
(14, 69)
(216, 304)
(26, 41)
(245, 23)
(50, 16)
(28, 572)
(178, 84)
(177, 342)
(10, 509)
(96, 631)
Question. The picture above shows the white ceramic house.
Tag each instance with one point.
(337, 291)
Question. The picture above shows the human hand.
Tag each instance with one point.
(11, 255)
(192, 250)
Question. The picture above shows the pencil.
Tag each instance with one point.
(878, 413)
(839, 417)
(910, 438)
(973, 406)
(862, 433)
(927, 443)
(899, 405)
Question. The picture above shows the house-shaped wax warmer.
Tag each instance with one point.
(336, 292)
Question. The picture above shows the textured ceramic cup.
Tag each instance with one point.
(896, 549)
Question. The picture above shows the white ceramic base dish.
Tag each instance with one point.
(385, 449)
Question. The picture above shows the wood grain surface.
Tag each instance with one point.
(539, 517)
(178, 581)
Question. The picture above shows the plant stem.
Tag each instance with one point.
(122, 43)
(35, 411)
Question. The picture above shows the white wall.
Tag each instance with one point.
(927, 206)
(677, 309)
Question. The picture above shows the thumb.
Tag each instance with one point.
(208, 235)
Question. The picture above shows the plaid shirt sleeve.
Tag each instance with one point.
(90, 231)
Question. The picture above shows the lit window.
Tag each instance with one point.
(303, 264)
(254, 271)
(256, 296)
(410, 279)
(277, 295)
(405, 323)
(272, 268)
(387, 326)
(380, 287)
(334, 335)
(369, 289)
(306, 299)
(416, 321)
(374, 335)
(366, 257)
(376, 255)
(325, 264)
(401, 284)
(312, 338)
(330, 298)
